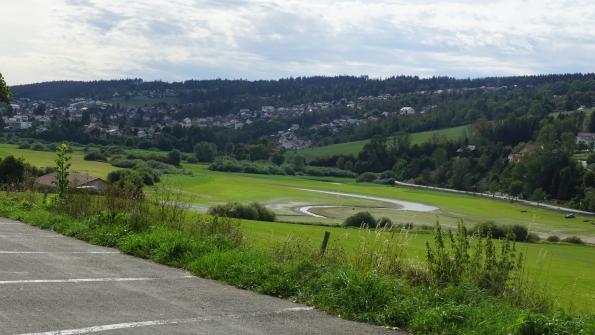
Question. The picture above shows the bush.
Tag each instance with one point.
(515, 232)
(532, 237)
(174, 157)
(12, 170)
(95, 156)
(489, 228)
(553, 238)
(232, 165)
(124, 163)
(384, 222)
(39, 147)
(361, 219)
(327, 172)
(385, 181)
(366, 177)
(252, 211)
(205, 151)
(518, 232)
(573, 239)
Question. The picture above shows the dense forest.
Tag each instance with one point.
(291, 90)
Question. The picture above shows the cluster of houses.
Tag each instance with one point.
(585, 138)
(289, 139)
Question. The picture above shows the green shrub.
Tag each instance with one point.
(366, 177)
(361, 219)
(232, 165)
(451, 260)
(518, 232)
(532, 237)
(489, 228)
(95, 156)
(553, 238)
(515, 232)
(39, 147)
(252, 211)
(384, 222)
(327, 172)
(124, 163)
(573, 239)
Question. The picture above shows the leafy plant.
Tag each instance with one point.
(62, 170)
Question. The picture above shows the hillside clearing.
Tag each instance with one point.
(353, 148)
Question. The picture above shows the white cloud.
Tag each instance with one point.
(182, 39)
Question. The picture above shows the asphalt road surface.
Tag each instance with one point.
(51, 284)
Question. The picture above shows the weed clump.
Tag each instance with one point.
(456, 258)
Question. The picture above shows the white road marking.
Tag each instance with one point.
(57, 252)
(405, 205)
(295, 309)
(13, 235)
(128, 325)
(306, 210)
(87, 280)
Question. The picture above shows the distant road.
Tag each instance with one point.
(51, 284)
(499, 197)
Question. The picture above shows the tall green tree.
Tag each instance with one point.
(62, 170)
(205, 151)
(4, 91)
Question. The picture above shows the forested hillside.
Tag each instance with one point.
(523, 139)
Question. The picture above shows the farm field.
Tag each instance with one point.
(355, 147)
(46, 158)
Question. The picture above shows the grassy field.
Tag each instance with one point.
(46, 159)
(285, 194)
(565, 271)
(355, 147)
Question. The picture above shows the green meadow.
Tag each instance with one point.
(563, 271)
(46, 159)
(285, 194)
(353, 148)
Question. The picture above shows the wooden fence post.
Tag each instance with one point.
(327, 235)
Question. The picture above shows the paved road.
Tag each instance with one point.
(51, 284)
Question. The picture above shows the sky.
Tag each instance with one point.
(174, 40)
